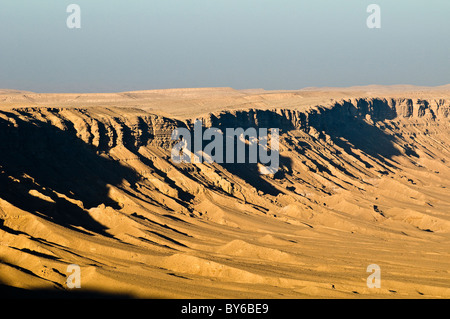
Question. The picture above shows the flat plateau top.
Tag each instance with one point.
(189, 103)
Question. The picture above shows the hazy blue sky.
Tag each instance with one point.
(278, 44)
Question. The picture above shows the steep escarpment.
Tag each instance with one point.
(360, 181)
(377, 109)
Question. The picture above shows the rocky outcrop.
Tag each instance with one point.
(341, 111)
(106, 128)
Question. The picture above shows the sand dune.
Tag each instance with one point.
(364, 176)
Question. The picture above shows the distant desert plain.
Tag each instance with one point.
(364, 179)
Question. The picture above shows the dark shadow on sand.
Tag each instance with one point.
(347, 127)
(37, 156)
(8, 292)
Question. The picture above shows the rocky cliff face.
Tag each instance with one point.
(102, 128)
(97, 187)
(342, 111)
(107, 128)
